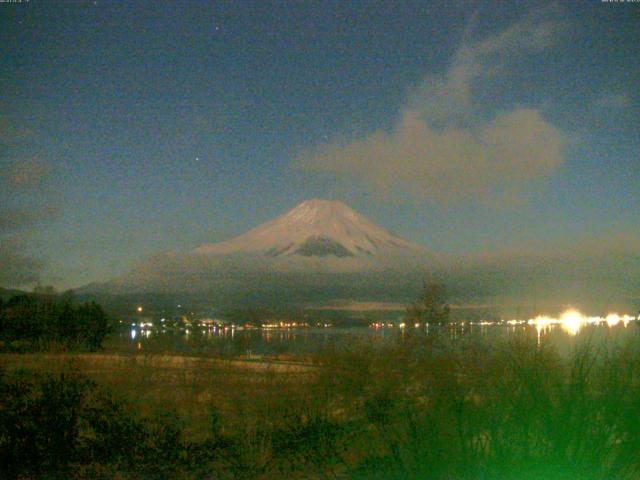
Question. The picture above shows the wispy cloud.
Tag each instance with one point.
(10, 132)
(612, 100)
(445, 147)
(17, 267)
(25, 174)
(16, 219)
(23, 208)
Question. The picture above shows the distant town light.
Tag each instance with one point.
(572, 321)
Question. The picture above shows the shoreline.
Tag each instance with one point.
(162, 360)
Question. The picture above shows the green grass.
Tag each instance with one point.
(422, 408)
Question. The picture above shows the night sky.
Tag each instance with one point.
(135, 127)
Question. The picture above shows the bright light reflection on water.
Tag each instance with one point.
(572, 321)
(555, 330)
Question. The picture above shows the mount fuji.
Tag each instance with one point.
(322, 251)
(318, 248)
(316, 228)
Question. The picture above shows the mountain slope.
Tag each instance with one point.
(318, 249)
(7, 293)
(315, 228)
(323, 250)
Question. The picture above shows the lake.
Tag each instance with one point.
(309, 340)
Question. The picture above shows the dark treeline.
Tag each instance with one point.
(41, 321)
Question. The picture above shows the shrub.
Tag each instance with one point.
(64, 426)
(43, 320)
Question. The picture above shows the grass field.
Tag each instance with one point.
(423, 408)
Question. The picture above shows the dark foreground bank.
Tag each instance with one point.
(425, 408)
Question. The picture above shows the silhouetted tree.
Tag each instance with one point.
(431, 306)
(93, 324)
(44, 318)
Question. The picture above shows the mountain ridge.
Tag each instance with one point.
(322, 250)
(315, 227)
(318, 248)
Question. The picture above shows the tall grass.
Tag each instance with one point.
(424, 408)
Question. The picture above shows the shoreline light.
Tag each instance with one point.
(572, 321)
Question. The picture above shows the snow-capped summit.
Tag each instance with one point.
(314, 250)
(315, 228)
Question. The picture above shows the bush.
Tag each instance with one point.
(517, 411)
(45, 320)
(64, 426)
(424, 408)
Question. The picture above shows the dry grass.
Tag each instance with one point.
(193, 386)
(423, 408)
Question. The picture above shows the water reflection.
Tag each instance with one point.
(229, 340)
(572, 321)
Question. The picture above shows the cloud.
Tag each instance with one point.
(24, 206)
(448, 99)
(612, 100)
(17, 268)
(10, 132)
(444, 165)
(24, 174)
(443, 146)
(16, 219)
(17, 224)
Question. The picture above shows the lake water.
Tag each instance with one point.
(300, 341)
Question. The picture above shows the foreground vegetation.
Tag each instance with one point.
(420, 409)
(49, 322)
